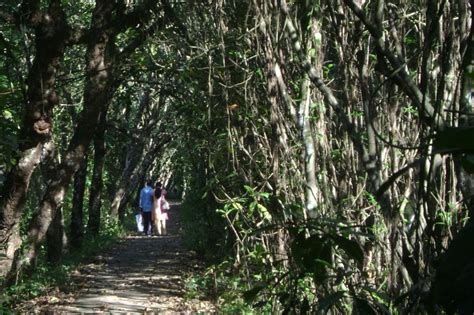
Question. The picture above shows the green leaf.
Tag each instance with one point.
(7, 114)
(249, 190)
(4, 82)
(237, 206)
(265, 195)
(264, 212)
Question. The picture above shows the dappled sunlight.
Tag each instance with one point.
(138, 274)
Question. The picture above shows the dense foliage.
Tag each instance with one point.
(322, 148)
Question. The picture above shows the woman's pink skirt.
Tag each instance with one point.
(163, 216)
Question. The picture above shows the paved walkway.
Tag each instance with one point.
(139, 275)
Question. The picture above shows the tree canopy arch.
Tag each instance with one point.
(321, 145)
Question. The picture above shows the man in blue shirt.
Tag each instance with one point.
(146, 206)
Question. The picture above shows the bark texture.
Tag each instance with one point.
(51, 35)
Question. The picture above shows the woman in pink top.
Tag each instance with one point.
(160, 211)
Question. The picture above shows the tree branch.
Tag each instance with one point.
(406, 83)
(316, 80)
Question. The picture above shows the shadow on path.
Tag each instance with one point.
(138, 275)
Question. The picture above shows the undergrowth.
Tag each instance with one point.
(224, 288)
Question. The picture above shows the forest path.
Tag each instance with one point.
(138, 275)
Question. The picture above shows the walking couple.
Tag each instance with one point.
(153, 208)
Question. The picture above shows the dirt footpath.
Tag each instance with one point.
(138, 275)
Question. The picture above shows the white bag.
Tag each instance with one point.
(165, 205)
(138, 218)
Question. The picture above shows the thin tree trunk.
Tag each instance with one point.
(454, 272)
(277, 143)
(137, 176)
(133, 157)
(312, 190)
(95, 197)
(77, 214)
(134, 154)
(138, 166)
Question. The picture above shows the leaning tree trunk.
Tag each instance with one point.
(98, 90)
(134, 154)
(136, 177)
(133, 158)
(50, 33)
(138, 166)
(95, 98)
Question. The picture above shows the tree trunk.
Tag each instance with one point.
(312, 190)
(50, 33)
(56, 237)
(56, 240)
(310, 30)
(96, 93)
(77, 214)
(137, 176)
(121, 195)
(277, 144)
(95, 196)
(453, 284)
(134, 154)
